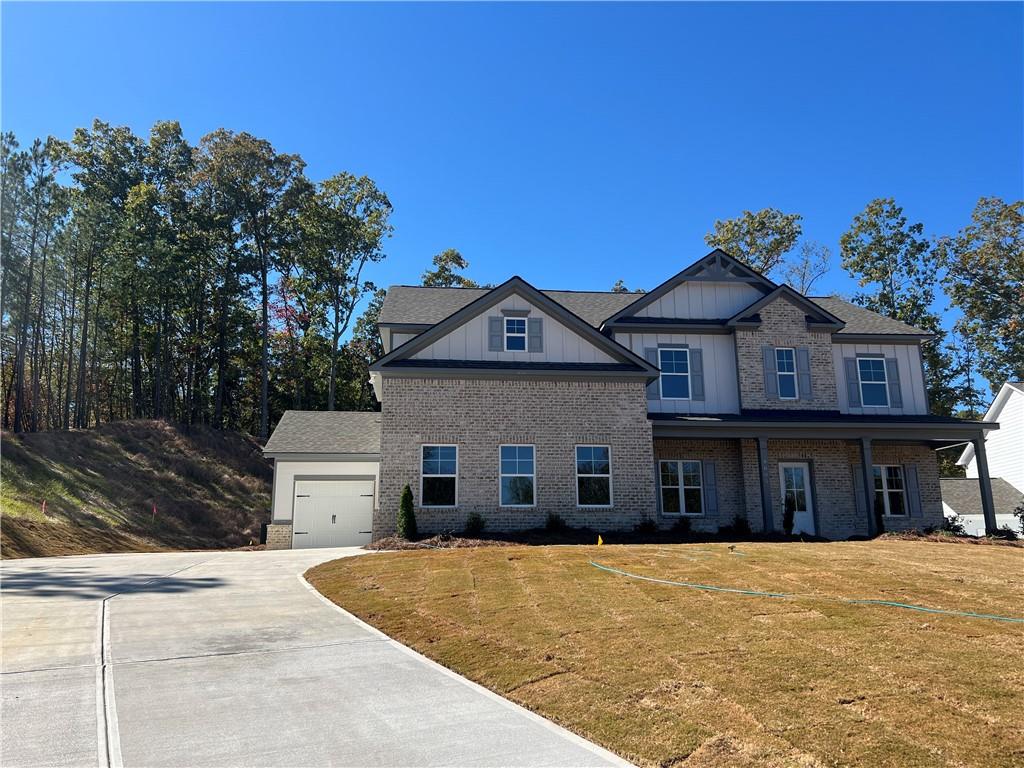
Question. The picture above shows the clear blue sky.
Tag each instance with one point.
(571, 144)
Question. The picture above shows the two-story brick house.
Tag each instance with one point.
(717, 396)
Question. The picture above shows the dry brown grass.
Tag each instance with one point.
(210, 488)
(664, 675)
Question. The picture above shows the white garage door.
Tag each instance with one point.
(332, 513)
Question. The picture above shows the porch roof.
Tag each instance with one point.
(821, 424)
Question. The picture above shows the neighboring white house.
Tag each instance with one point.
(1005, 446)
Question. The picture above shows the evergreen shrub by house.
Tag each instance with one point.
(406, 516)
(474, 524)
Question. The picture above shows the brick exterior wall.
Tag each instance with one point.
(835, 507)
(729, 479)
(279, 536)
(478, 415)
(785, 325)
(927, 463)
(832, 464)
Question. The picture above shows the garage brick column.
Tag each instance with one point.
(279, 536)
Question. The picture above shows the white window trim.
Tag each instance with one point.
(577, 476)
(526, 342)
(532, 477)
(796, 381)
(884, 382)
(680, 488)
(456, 476)
(689, 382)
(886, 490)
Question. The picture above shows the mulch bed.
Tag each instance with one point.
(952, 538)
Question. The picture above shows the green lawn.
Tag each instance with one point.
(663, 674)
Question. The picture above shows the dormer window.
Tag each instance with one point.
(515, 334)
(785, 371)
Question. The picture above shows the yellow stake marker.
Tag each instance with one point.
(600, 541)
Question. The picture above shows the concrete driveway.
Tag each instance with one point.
(228, 659)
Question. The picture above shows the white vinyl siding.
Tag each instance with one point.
(721, 394)
(702, 300)
(1004, 447)
(911, 376)
(469, 340)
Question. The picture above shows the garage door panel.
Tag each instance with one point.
(332, 513)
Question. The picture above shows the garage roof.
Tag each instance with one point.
(326, 432)
(963, 495)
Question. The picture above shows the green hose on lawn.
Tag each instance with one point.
(756, 593)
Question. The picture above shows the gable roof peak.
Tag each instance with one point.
(490, 298)
(716, 265)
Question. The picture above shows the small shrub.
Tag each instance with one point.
(954, 525)
(474, 524)
(407, 517)
(1019, 514)
(1006, 533)
(646, 526)
(787, 518)
(554, 523)
(681, 527)
(739, 528)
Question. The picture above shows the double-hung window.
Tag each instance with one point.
(785, 367)
(890, 491)
(517, 475)
(682, 492)
(515, 334)
(675, 373)
(439, 476)
(874, 386)
(593, 476)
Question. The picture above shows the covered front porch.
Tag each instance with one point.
(838, 476)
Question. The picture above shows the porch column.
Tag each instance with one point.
(766, 484)
(988, 506)
(866, 463)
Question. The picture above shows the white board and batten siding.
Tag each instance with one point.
(398, 339)
(718, 353)
(702, 301)
(908, 362)
(469, 340)
(1004, 447)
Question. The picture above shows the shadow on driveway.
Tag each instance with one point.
(87, 584)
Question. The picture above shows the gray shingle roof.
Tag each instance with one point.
(417, 305)
(963, 495)
(863, 321)
(326, 432)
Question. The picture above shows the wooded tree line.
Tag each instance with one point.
(145, 277)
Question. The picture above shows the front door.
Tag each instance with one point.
(795, 482)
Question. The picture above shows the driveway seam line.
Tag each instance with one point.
(507, 703)
(109, 734)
